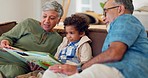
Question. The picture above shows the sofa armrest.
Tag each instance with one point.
(4, 27)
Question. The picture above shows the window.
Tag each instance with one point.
(83, 5)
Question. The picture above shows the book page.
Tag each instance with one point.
(42, 59)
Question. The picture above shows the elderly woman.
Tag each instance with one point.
(31, 35)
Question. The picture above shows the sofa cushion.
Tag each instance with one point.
(4, 27)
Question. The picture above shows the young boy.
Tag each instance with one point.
(75, 48)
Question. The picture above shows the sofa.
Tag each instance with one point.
(97, 34)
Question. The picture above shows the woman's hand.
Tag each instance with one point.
(65, 69)
(5, 44)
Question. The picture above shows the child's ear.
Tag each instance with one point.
(82, 34)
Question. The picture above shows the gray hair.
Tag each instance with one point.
(53, 5)
(127, 3)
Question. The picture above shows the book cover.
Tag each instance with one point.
(42, 59)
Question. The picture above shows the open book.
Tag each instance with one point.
(42, 59)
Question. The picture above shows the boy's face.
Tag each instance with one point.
(72, 34)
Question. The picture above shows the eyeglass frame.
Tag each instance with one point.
(105, 9)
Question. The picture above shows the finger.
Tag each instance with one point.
(6, 46)
(57, 71)
(3, 45)
(35, 67)
(31, 65)
(41, 68)
(54, 67)
(28, 62)
(57, 68)
(12, 47)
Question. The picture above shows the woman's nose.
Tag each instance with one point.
(47, 20)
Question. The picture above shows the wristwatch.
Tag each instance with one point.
(79, 68)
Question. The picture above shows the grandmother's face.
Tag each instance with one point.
(49, 20)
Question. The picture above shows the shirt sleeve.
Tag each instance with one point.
(126, 31)
(85, 52)
(15, 33)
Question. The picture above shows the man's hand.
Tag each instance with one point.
(65, 69)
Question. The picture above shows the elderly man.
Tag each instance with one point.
(125, 50)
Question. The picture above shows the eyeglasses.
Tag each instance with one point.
(106, 9)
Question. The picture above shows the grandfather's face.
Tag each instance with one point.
(110, 11)
(49, 20)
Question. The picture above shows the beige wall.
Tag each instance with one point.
(19, 10)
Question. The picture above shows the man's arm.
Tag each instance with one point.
(115, 52)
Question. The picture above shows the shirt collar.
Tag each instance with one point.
(73, 43)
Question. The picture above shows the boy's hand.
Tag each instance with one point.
(34, 67)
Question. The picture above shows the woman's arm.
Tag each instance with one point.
(15, 33)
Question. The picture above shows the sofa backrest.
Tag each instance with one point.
(4, 27)
(96, 34)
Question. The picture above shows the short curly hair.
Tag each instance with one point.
(78, 21)
(53, 5)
